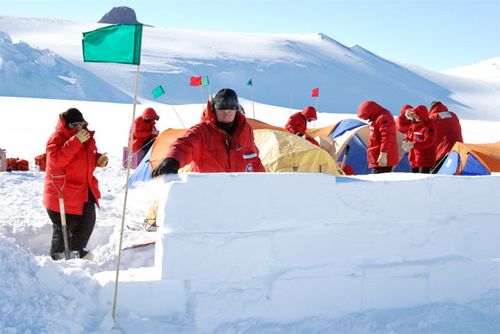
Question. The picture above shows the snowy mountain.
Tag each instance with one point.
(283, 67)
(25, 70)
(484, 70)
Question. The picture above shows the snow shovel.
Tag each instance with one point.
(67, 254)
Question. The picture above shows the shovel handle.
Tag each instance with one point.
(63, 213)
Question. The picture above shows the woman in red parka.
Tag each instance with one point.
(222, 142)
(297, 123)
(382, 152)
(420, 138)
(145, 131)
(71, 160)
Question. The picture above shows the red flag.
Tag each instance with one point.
(195, 81)
(315, 92)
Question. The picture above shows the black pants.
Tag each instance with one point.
(79, 228)
(423, 170)
(379, 170)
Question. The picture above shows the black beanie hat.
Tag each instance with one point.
(226, 99)
(72, 115)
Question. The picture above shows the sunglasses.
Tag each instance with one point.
(75, 124)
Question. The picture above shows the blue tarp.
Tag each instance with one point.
(346, 125)
(474, 167)
(450, 165)
(142, 172)
(356, 158)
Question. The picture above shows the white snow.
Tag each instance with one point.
(281, 253)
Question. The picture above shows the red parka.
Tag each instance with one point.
(68, 157)
(210, 150)
(448, 129)
(403, 123)
(382, 136)
(143, 130)
(423, 136)
(297, 123)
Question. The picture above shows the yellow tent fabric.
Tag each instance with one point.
(281, 151)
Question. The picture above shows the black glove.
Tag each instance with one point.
(167, 166)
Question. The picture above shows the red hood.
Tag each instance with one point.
(208, 117)
(438, 107)
(149, 113)
(369, 109)
(405, 107)
(421, 112)
(62, 128)
(310, 113)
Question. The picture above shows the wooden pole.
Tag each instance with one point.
(129, 161)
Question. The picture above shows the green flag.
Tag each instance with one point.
(113, 44)
(158, 91)
(204, 81)
(250, 83)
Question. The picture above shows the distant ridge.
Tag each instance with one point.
(120, 15)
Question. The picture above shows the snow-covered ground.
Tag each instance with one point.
(39, 295)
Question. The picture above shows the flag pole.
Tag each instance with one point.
(316, 104)
(291, 97)
(129, 161)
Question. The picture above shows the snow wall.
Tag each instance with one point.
(284, 247)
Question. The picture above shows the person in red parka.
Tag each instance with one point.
(297, 123)
(448, 131)
(382, 152)
(71, 160)
(222, 142)
(420, 137)
(145, 131)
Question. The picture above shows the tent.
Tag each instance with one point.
(353, 133)
(167, 137)
(472, 159)
(281, 151)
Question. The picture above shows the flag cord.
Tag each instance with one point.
(129, 161)
(253, 105)
(179, 117)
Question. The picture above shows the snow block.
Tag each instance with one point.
(164, 297)
(349, 244)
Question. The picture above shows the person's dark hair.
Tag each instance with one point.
(226, 99)
(72, 115)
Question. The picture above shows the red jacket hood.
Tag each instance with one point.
(405, 107)
(422, 113)
(369, 109)
(208, 117)
(62, 128)
(149, 113)
(438, 107)
(309, 112)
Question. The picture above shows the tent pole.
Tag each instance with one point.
(129, 161)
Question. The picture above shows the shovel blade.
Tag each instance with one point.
(67, 255)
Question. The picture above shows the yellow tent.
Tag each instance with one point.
(282, 151)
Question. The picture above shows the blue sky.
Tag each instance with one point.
(435, 34)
